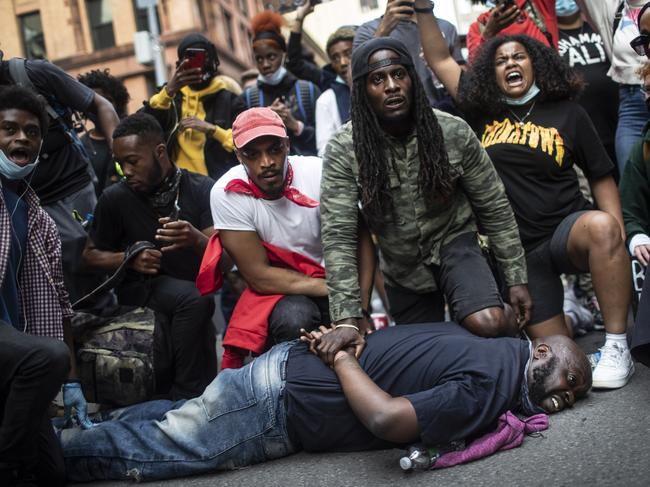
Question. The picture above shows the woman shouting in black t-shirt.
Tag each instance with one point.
(518, 95)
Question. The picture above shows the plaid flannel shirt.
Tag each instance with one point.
(44, 300)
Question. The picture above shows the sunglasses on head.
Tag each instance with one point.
(640, 45)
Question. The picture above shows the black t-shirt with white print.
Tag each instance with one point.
(583, 50)
(535, 161)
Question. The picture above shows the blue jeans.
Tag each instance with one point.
(239, 420)
(632, 116)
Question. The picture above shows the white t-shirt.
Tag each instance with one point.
(279, 222)
(624, 61)
(328, 119)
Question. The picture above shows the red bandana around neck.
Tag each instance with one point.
(289, 192)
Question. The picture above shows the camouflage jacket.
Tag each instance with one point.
(411, 240)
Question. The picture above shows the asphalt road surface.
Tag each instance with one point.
(604, 440)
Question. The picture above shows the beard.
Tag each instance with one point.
(537, 388)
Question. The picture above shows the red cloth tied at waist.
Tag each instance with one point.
(248, 327)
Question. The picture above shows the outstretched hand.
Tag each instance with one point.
(183, 76)
(500, 18)
(304, 10)
(396, 11)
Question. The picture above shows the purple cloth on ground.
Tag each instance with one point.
(509, 434)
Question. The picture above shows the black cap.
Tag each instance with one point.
(362, 54)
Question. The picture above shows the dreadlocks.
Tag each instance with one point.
(435, 173)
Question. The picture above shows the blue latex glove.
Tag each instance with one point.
(73, 398)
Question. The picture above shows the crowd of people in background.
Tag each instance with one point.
(507, 191)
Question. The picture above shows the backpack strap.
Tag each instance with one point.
(21, 78)
(617, 17)
(305, 98)
(254, 97)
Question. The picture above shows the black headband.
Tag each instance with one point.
(362, 54)
(274, 36)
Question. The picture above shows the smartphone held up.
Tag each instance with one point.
(194, 58)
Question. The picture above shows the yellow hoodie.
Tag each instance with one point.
(189, 153)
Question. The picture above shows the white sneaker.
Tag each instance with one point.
(614, 368)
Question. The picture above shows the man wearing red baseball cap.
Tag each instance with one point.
(266, 211)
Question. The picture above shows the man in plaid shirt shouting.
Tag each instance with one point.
(35, 308)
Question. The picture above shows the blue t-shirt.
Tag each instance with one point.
(9, 294)
(459, 385)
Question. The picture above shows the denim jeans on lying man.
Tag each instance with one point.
(239, 420)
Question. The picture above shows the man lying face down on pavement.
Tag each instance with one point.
(433, 382)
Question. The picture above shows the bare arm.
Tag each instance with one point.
(389, 418)
(105, 260)
(436, 51)
(367, 264)
(607, 198)
(246, 249)
(106, 116)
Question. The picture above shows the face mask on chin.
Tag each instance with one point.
(13, 171)
(532, 92)
(273, 79)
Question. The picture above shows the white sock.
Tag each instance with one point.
(619, 338)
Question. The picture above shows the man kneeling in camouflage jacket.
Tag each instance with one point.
(424, 185)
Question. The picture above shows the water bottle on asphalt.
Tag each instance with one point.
(418, 457)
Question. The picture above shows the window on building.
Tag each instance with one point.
(368, 4)
(245, 36)
(243, 5)
(227, 20)
(141, 18)
(100, 21)
(32, 32)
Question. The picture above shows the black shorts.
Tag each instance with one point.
(463, 277)
(545, 265)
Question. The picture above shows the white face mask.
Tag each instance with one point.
(273, 79)
(13, 171)
(532, 92)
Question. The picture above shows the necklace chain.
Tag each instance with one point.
(521, 120)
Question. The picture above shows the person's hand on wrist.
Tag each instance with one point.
(343, 356)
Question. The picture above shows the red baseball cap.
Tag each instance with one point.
(257, 122)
